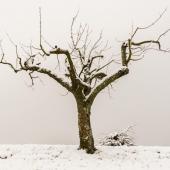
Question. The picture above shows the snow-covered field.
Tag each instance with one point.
(67, 157)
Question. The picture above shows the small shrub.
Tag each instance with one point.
(118, 139)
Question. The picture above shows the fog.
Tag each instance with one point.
(44, 114)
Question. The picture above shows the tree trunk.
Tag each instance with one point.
(85, 131)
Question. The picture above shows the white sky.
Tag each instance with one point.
(43, 115)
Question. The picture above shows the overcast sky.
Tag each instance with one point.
(43, 115)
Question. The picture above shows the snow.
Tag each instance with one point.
(67, 157)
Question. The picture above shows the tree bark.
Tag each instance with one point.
(85, 130)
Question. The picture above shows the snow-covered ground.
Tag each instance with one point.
(67, 157)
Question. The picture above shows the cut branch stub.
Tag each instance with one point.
(123, 54)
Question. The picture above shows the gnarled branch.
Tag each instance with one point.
(107, 81)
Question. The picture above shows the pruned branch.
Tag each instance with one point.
(71, 69)
(31, 69)
(50, 74)
(131, 48)
(123, 54)
(146, 42)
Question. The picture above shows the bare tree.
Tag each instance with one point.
(85, 67)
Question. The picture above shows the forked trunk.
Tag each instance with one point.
(85, 131)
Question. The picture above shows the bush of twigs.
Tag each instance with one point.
(118, 139)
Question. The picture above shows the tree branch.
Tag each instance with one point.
(146, 42)
(148, 26)
(71, 69)
(105, 83)
(32, 69)
(48, 72)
